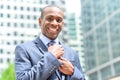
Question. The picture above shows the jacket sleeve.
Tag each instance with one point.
(78, 74)
(25, 70)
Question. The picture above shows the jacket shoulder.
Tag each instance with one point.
(27, 44)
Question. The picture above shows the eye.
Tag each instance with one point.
(49, 19)
(59, 20)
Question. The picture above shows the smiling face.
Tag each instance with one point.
(51, 22)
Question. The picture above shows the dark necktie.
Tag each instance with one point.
(51, 43)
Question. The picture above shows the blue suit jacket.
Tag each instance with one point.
(34, 62)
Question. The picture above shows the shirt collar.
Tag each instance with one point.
(46, 40)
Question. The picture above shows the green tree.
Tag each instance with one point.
(8, 74)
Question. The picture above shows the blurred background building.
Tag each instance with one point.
(19, 23)
(101, 28)
(74, 37)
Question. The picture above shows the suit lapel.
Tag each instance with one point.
(40, 44)
(65, 55)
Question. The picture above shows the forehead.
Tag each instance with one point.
(53, 11)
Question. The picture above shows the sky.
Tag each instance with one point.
(73, 6)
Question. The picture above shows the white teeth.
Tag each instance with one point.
(52, 29)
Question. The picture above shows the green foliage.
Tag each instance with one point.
(8, 74)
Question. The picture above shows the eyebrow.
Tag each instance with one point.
(54, 16)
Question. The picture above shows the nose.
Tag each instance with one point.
(54, 23)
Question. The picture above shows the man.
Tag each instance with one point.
(46, 58)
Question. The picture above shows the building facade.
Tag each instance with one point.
(74, 37)
(101, 28)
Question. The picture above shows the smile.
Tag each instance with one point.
(53, 30)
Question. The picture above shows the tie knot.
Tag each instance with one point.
(51, 43)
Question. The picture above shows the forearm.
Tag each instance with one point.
(77, 75)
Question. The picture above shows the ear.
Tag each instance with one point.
(39, 21)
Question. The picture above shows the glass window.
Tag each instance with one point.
(8, 15)
(8, 24)
(63, 2)
(21, 16)
(8, 60)
(90, 56)
(105, 73)
(93, 76)
(35, 26)
(15, 8)
(40, 1)
(15, 24)
(1, 24)
(1, 50)
(22, 41)
(21, 8)
(15, 33)
(102, 44)
(1, 60)
(1, 15)
(52, 2)
(46, 2)
(40, 9)
(15, 42)
(34, 17)
(8, 34)
(8, 7)
(28, 9)
(34, 9)
(28, 17)
(117, 68)
(1, 6)
(8, 43)
(8, 52)
(22, 34)
(115, 35)
(22, 25)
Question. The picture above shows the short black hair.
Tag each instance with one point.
(42, 11)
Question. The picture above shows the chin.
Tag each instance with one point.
(52, 38)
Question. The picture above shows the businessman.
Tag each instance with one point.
(46, 58)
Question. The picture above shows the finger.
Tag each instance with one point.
(60, 61)
(63, 59)
(56, 44)
(62, 49)
(61, 46)
(59, 68)
(49, 45)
